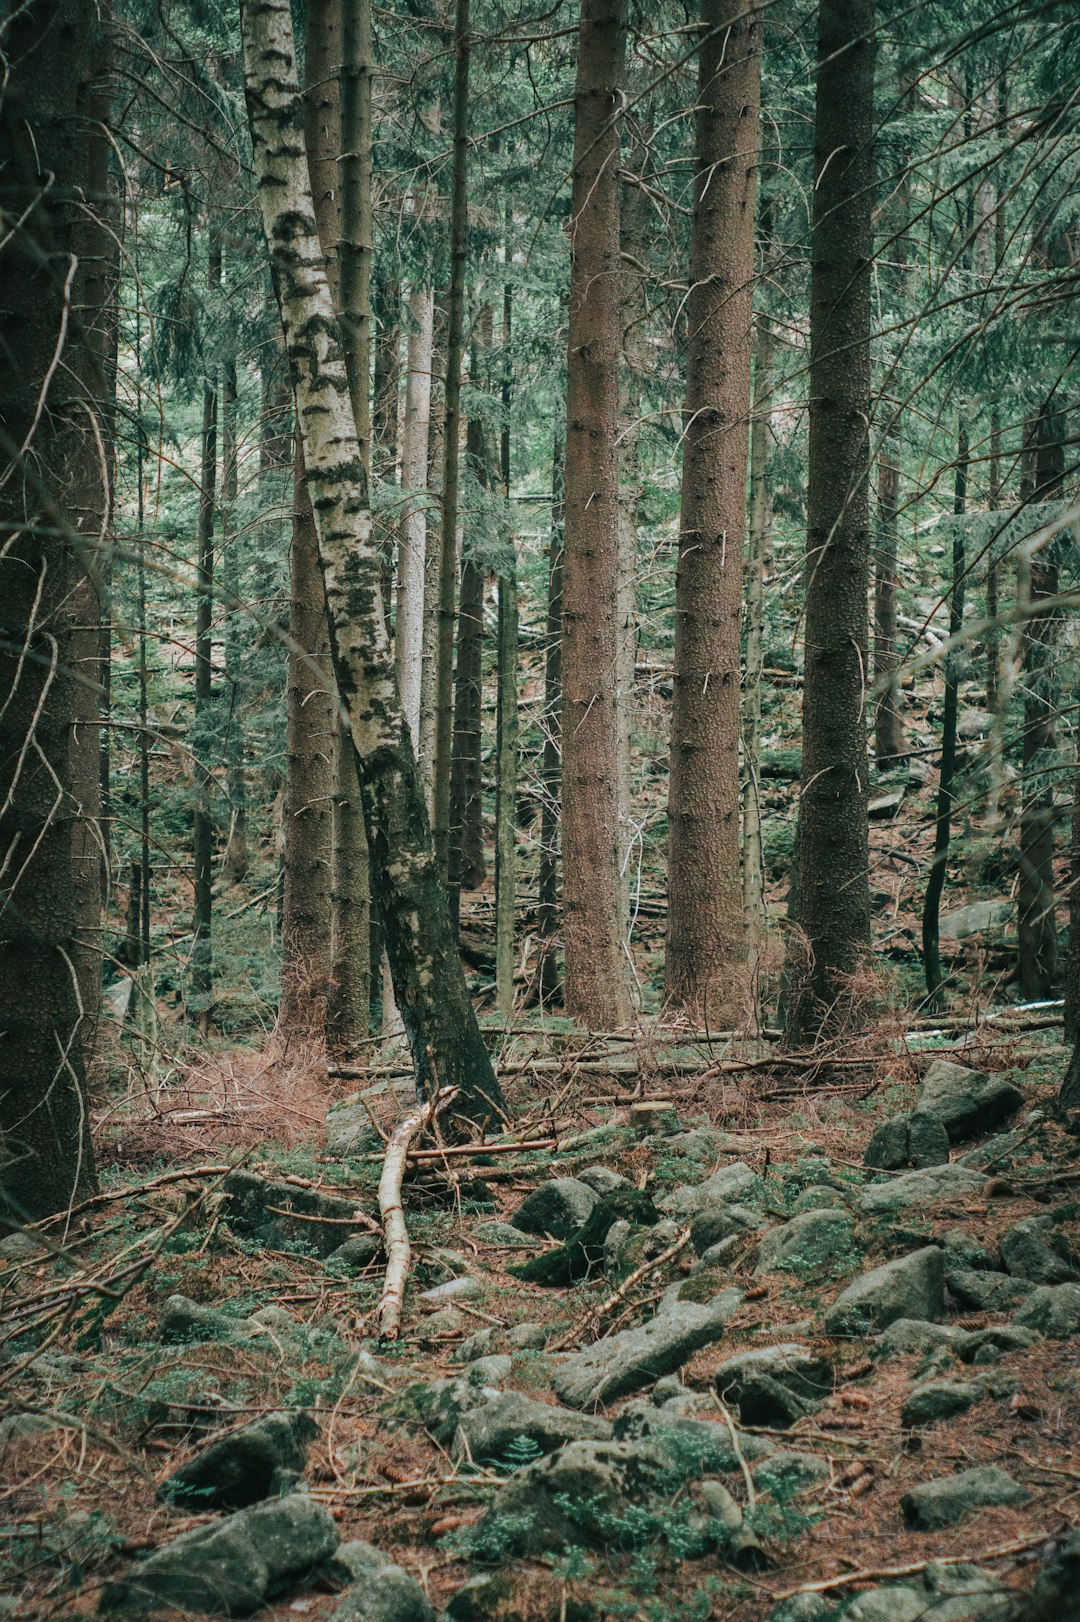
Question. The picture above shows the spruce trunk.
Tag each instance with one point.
(706, 944)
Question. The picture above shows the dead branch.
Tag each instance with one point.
(395, 1233)
(621, 1293)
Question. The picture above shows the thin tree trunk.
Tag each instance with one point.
(412, 542)
(888, 726)
(466, 854)
(1037, 924)
(235, 860)
(506, 716)
(429, 658)
(200, 999)
(757, 560)
(596, 988)
(50, 418)
(935, 884)
(547, 924)
(832, 880)
(446, 1043)
(706, 944)
(444, 668)
(349, 1000)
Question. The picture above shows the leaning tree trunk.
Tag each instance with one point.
(596, 989)
(447, 1047)
(706, 945)
(833, 847)
(50, 424)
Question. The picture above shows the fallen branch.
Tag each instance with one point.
(873, 1574)
(395, 1233)
(130, 1192)
(612, 1301)
(470, 1150)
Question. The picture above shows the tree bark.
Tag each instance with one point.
(200, 999)
(757, 566)
(888, 726)
(50, 419)
(832, 880)
(412, 542)
(547, 922)
(706, 944)
(1037, 924)
(935, 884)
(235, 860)
(596, 989)
(446, 1044)
(444, 667)
(506, 712)
(466, 853)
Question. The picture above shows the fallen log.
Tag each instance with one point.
(395, 1232)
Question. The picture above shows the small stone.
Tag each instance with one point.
(721, 1221)
(928, 1141)
(910, 1287)
(1053, 1310)
(987, 1345)
(911, 1337)
(384, 1591)
(962, 1249)
(935, 1400)
(1028, 1253)
(1057, 1587)
(803, 1608)
(455, 1289)
(185, 1321)
(530, 1336)
(231, 1566)
(633, 1358)
(447, 1321)
(968, 1103)
(705, 1443)
(724, 1187)
(932, 1185)
(247, 1465)
(894, 1604)
(888, 1147)
(977, 1291)
(786, 1473)
(935, 1504)
(808, 1244)
(357, 1252)
(819, 1197)
(775, 1385)
(491, 1370)
(502, 1236)
(489, 1431)
(481, 1599)
(602, 1180)
(556, 1208)
(978, 916)
(482, 1344)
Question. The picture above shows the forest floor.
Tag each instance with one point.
(730, 1207)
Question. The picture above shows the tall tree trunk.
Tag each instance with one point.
(349, 1001)
(200, 999)
(447, 1046)
(307, 918)
(706, 948)
(1037, 931)
(888, 726)
(832, 881)
(235, 861)
(506, 715)
(935, 884)
(412, 542)
(50, 418)
(433, 563)
(466, 854)
(596, 989)
(757, 565)
(459, 218)
(547, 923)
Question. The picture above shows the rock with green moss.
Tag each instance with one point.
(968, 1103)
(774, 1386)
(912, 1337)
(944, 1502)
(789, 1472)
(575, 1498)
(975, 1290)
(933, 1185)
(935, 1400)
(723, 1221)
(583, 1252)
(486, 1598)
(488, 1432)
(1035, 1250)
(635, 1358)
(694, 1446)
(813, 1243)
(896, 1603)
(730, 1184)
(382, 1590)
(556, 1209)
(909, 1287)
(234, 1566)
(1052, 1310)
(250, 1463)
(803, 1608)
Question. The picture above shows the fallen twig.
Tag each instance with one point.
(872, 1574)
(395, 1233)
(612, 1301)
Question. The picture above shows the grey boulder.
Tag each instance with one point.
(968, 1103)
(1029, 1252)
(383, 1591)
(933, 1185)
(979, 1291)
(570, 1498)
(934, 1400)
(910, 1287)
(249, 1464)
(633, 1358)
(490, 1431)
(232, 1566)
(556, 1208)
(724, 1187)
(809, 1243)
(776, 1385)
(916, 1139)
(1052, 1310)
(935, 1504)
(714, 1223)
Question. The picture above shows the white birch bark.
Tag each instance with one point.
(412, 544)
